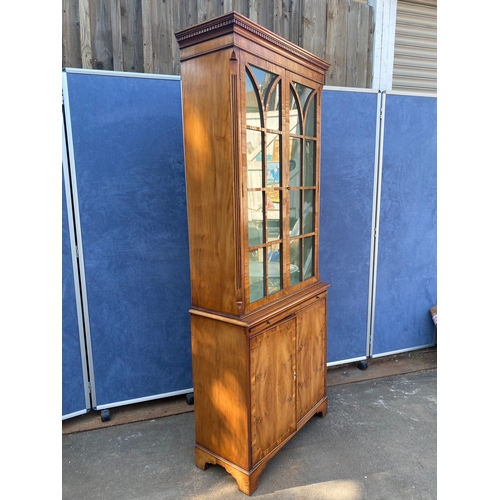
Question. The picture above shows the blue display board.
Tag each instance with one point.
(348, 151)
(127, 157)
(406, 264)
(75, 400)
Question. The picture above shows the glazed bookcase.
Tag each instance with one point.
(251, 117)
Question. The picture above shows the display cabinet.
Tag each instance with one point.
(251, 117)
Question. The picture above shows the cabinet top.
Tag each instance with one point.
(245, 30)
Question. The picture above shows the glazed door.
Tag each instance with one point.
(272, 365)
(280, 179)
(311, 362)
(302, 181)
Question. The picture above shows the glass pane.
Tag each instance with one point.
(256, 274)
(295, 261)
(311, 119)
(309, 162)
(295, 127)
(274, 269)
(308, 211)
(254, 159)
(255, 218)
(273, 157)
(274, 109)
(295, 220)
(308, 257)
(253, 111)
(264, 79)
(303, 92)
(273, 215)
(295, 162)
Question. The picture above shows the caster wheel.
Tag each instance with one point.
(362, 365)
(105, 415)
(190, 398)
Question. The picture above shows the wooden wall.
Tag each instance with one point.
(138, 35)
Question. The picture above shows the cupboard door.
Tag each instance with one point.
(311, 361)
(264, 179)
(272, 365)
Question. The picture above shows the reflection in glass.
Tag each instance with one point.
(308, 257)
(303, 92)
(295, 219)
(274, 109)
(311, 119)
(309, 162)
(308, 211)
(254, 159)
(295, 127)
(255, 218)
(274, 269)
(253, 111)
(273, 206)
(295, 162)
(295, 261)
(273, 159)
(256, 274)
(264, 79)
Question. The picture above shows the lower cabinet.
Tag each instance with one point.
(257, 381)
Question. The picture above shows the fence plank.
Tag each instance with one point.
(357, 45)
(314, 27)
(71, 54)
(85, 33)
(240, 6)
(208, 9)
(295, 22)
(147, 34)
(138, 35)
(278, 18)
(116, 34)
(131, 17)
(336, 43)
(102, 43)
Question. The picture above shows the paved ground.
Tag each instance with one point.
(378, 441)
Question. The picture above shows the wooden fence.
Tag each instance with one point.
(138, 35)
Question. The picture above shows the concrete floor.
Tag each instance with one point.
(378, 441)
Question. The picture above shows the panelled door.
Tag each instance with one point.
(311, 362)
(272, 365)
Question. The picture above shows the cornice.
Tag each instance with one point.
(235, 22)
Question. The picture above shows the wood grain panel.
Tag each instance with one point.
(272, 368)
(311, 361)
(210, 181)
(220, 375)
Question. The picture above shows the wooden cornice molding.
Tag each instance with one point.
(236, 23)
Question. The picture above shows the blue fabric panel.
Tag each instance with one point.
(349, 121)
(406, 271)
(128, 147)
(73, 386)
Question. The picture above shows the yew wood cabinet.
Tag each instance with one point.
(251, 113)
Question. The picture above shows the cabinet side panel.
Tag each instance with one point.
(311, 360)
(208, 141)
(220, 375)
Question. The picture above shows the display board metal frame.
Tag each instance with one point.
(96, 373)
(78, 381)
(404, 136)
(349, 172)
